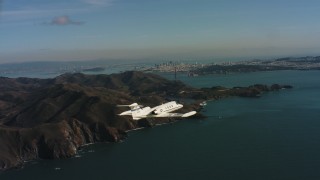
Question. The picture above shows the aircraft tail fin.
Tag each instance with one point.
(135, 110)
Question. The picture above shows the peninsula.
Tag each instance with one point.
(53, 118)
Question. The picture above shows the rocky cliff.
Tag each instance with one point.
(52, 118)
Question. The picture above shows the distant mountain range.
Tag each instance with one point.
(194, 69)
(288, 63)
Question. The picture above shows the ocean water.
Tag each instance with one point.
(276, 136)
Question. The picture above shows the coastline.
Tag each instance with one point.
(71, 128)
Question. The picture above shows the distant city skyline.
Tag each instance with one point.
(38, 30)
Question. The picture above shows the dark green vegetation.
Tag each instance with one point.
(53, 118)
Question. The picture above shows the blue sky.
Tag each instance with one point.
(42, 30)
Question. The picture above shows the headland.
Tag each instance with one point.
(53, 118)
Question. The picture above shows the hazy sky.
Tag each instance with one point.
(33, 30)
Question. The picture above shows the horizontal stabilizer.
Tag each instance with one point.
(125, 113)
(123, 105)
(129, 105)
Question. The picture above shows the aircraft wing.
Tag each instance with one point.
(176, 114)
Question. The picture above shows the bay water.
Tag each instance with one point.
(276, 136)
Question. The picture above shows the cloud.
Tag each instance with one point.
(99, 2)
(26, 16)
(38, 12)
(63, 21)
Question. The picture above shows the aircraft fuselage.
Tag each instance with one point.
(167, 107)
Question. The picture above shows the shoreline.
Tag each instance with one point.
(58, 116)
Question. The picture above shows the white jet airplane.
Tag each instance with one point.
(139, 112)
